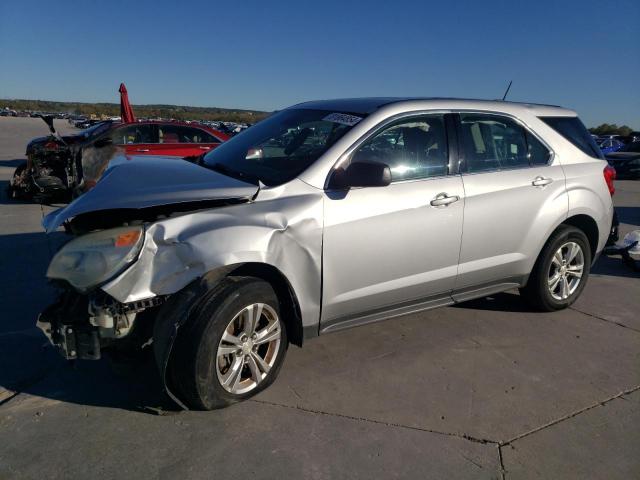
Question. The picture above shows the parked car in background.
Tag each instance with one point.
(609, 145)
(72, 159)
(325, 216)
(626, 161)
(86, 123)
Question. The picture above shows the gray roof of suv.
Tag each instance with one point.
(369, 105)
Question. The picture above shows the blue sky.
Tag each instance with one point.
(267, 55)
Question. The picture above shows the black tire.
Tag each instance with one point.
(192, 368)
(536, 292)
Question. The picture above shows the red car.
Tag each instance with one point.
(164, 138)
(65, 166)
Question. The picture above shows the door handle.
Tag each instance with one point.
(142, 150)
(204, 148)
(442, 200)
(541, 181)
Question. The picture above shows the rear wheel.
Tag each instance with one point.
(561, 271)
(232, 347)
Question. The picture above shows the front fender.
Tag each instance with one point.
(282, 229)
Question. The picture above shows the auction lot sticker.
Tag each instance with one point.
(342, 118)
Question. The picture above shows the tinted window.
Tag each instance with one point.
(133, 134)
(492, 142)
(538, 153)
(415, 148)
(574, 130)
(183, 134)
(200, 136)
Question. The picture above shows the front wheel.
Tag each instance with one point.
(561, 271)
(232, 347)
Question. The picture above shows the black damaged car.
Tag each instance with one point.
(626, 161)
(51, 169)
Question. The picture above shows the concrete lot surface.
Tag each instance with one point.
(485, 389)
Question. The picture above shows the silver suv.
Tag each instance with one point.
(324, 216)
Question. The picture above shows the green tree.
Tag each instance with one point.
(611, 129)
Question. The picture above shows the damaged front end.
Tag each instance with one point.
(82, 326)
(145, 254)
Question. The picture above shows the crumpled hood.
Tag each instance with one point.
(145, 182)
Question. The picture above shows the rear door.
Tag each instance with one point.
(136, 138)
(514, 194)
(183, 141)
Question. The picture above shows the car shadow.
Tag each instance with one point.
(613, 266)
(12, 163)
(629, 215)
(500, 302)
(29, 364)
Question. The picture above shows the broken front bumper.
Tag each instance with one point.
(81, 326)
(66, 326)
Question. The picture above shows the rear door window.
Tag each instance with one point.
(574, 130)
(492, 142)
(184, 134)
(196, 135)
(132, 134)
(537, 152)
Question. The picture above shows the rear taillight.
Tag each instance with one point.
(51, 146)
(609, 176)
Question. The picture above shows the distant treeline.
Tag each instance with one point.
(149, 111)
(611, 129)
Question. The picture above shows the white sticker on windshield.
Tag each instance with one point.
(342, 118)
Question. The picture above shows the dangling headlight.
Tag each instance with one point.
(96, 257)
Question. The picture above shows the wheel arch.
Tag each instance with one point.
(588, 226)
(173, 315)
(289, 303)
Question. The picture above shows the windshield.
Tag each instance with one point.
(280, 147)
(632, 147)
(95, 130)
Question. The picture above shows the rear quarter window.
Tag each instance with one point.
(574, 130)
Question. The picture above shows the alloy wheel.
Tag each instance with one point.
(248, 348)
(565, 272)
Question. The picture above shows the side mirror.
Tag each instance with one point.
(364, 174)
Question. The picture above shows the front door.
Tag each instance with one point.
(390, 250)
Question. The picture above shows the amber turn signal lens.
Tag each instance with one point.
(127, 239)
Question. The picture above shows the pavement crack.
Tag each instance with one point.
(571, 415)
(619, 324)
(463, 436)
(501, 461)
